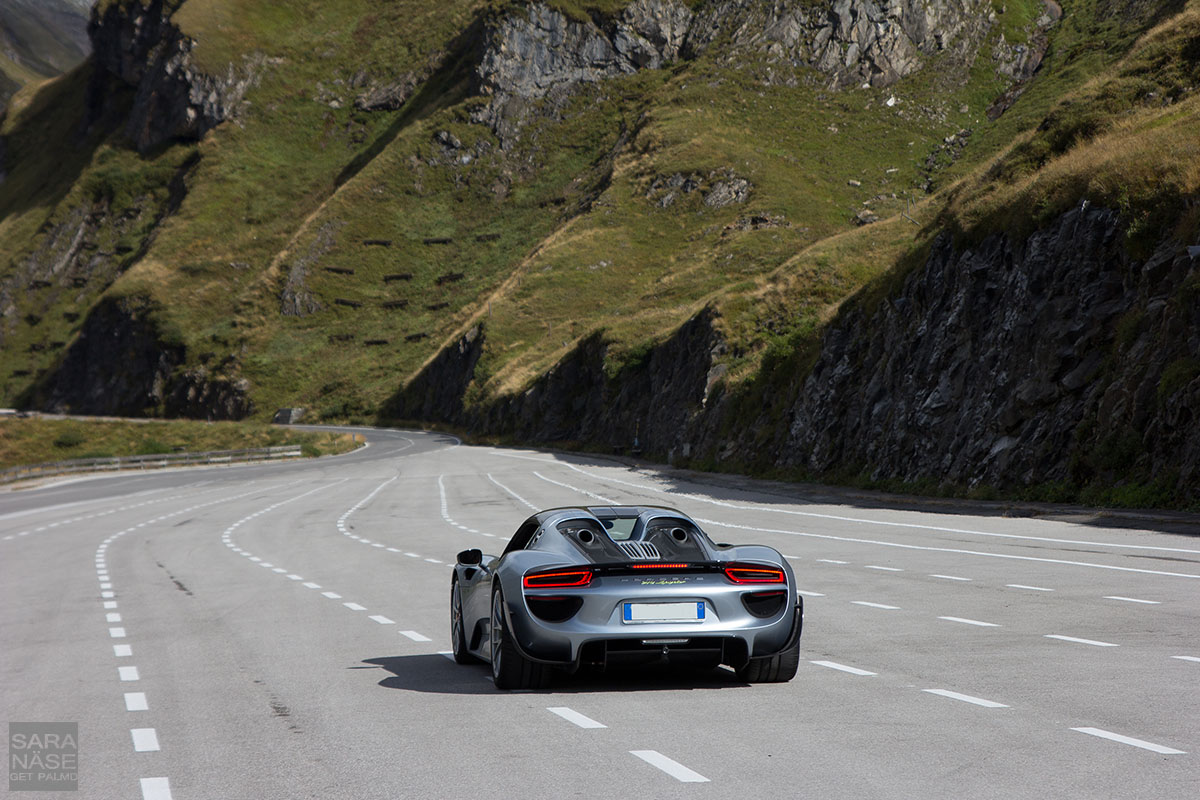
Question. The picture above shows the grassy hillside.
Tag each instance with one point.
(407, 227)
(34, 441)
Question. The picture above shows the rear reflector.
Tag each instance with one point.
(558, 578)
(754, 573)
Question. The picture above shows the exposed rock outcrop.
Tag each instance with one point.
(538, 53)
(850, 41)
(123, 364)
(140, 46)
(1059, 358)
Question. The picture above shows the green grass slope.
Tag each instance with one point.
(406, 228)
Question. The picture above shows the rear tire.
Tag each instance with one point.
(510, 669)
(778, 668)
(458, 631)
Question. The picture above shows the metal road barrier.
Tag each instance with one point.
(157, 461)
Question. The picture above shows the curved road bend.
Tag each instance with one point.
(278, 631)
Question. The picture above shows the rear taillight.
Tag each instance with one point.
(754, 573)
(658, 565)
(558, 578)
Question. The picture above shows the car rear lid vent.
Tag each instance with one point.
(640, 551)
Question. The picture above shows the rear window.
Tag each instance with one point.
(619, 529)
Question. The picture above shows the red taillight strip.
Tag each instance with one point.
(558, 578)
(746, 573)
(659, 565)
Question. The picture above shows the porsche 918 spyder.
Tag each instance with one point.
(609, 585)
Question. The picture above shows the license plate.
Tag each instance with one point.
(663, 612)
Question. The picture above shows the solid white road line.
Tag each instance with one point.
(382, 620)
(875, 605)
(156, 789)
(128, 673)
(1092, 642)
(1187, 658)
(136, 701)
(884, 569)
(950, 577)
(510, 491)
(1133, 600)
(1129, 740)
(673, 768)
(599, 497)
(575, 717)
(1030, 588)
(842, 667)
(957, 550)
(416, 637)
(884, 523)
(966, 698)
(971, 622)
(145, 740)
(120, 650)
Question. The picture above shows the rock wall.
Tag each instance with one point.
(141, 47)
(1059, 358)
(538, 53)
(122, 364)
(650, 405)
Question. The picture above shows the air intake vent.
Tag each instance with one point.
(640, 551)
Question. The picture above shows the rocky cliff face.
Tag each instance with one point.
(538, 53)
(141, 47)
(1052, 359)
(650, 405)
(125, 331)
(849, 41)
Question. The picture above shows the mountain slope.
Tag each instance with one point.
(559, 221)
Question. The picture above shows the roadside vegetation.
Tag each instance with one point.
(36, 440)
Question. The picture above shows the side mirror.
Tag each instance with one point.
(470, 558)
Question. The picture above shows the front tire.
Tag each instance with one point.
(458, 631)
(510, 669)
(778, 668)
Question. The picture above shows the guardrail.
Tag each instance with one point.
(118, 463)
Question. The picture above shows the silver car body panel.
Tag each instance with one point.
(632, 565)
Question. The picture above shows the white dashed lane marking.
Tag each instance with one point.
(1029, 588)
(884, 569)
(842, 668)
(354, 607)
(331, 595)
(575, 717)
(971, 622)
(966, 698)
(382, 620)
(128, 673)
(122, 650)
(156, 789)
(1187, 658)
(416, 637)
(949, 577)
(1092, 642)
(136, 701)
(145, 740)
(875, 605)
(1129, 740)
(1133, 600)
(673, 768)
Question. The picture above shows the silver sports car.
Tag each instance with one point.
(606, 585)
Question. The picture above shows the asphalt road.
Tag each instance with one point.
(279, 631)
